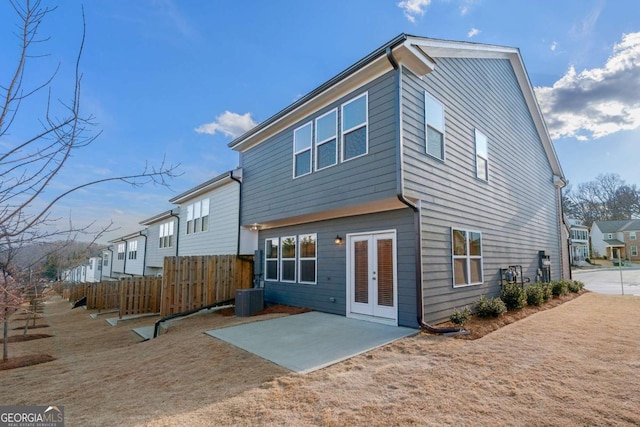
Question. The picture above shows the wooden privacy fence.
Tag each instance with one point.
(196, 281)
(77, 291)
(103, 295)
(139, 295)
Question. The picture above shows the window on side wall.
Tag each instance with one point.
(327, 140)
(271, 247)
(121, 251)
(288, 259)
(632, 235)
(434, 126)
(482, 156)
(467, 257)
(133, 249)
(302, 138)
(354, 128)
(634, 251)
(308, 259)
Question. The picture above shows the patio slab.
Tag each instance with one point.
(310, 341)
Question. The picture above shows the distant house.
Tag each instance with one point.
(397, 190)
(613, 238)
(128, 255)
(93, 270)
(162, 240)
(579, 242)
(209, 218)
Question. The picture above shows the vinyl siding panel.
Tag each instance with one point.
(222, 234)
(135, 266)
(516, 210)
(270, 192)
(331, 263)
(155, 254)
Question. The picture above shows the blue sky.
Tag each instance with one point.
(178, 79)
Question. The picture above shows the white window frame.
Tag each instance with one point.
(427, 124)
(468, 257)
(190, 219)
(479, 137)
(319, 143)
(365, 124)
(610, 236)
(283, 259)
(301, 258)
(132, 249)
(634, 251)
(165, 238)
(204, 215)
(309, 148)
(276, 259)
(121, 251)
(632, 235)
(198, 216)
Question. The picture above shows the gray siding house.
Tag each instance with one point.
(128, 255)
(162, 240)
(396, 191)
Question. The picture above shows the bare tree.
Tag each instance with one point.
(606, 198)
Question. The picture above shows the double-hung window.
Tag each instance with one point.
(467, 257)
(634, 251)
(354, 128)
(308, 258)
(133, 249)
(302, 139)
(632, 235)
(121, 251)
(198, 216)
(482, 156)
(271, 247)
(434, 126)
(327, 140)
(166, 235)
(288, 259)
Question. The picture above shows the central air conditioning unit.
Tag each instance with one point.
(249, 301)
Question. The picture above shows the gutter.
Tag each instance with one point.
(241, 257)
(413, 207)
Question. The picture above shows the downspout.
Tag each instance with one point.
(177, 229)
(110, 262)
(144, 258)
(241, 257)
(403, 199)
(126, 254)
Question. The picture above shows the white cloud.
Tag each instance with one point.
(473, 32)
(464, 10)
(413, 8)
(553, 46)
(228, 123)
(596, 102)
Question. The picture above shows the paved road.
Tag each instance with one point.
(607, 281)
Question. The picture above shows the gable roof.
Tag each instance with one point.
(632, 225)
(618, 225)
(420, 55)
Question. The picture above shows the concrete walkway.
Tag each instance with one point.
(310, 341)
(607, 281)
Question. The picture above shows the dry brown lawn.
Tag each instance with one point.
(575, 364)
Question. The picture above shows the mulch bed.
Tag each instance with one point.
(20, 362)
(23, 338)
(479, 327)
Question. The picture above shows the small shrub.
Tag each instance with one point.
(575, 286)
(513, 296)
(546, 291)
(535, 294)
(460, 316)
(490, 307)
(559, 288)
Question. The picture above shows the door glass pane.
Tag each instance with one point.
(385, 272)
(361, 272)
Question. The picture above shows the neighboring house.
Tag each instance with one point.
(579, 242)
(613, 238)
(93, 270)
(397, 190)
(209, 219)
(128, 255)
(162, 235)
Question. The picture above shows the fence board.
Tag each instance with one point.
(191, 282)
(140, 295)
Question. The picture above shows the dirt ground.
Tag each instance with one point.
(575, 364)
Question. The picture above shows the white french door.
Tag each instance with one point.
(371, 275)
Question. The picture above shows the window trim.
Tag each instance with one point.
(468, 258)
(132, 250)
(344, 131)
(479, 135)
(276, 259)
(442, 131)
(301, 258)
(316, 143)
(283, 259)
(310, 149)
(634, 249)
(121, 251)
(632, 235)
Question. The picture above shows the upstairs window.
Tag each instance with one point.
(271, 258)
(482, 156)
(105, 261)
(632, 235)
(354, 128)
(166, 235)
(198, 216)
(467, 257)
(327, 140)
(133, 249)
(121, 251)
(302, 138)
(434, 126)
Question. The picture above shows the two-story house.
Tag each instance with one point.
(128, 257)
(395, 191)
(162, 240)
(616, 238)
(579, 242)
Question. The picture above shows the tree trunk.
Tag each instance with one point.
(5, 344)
